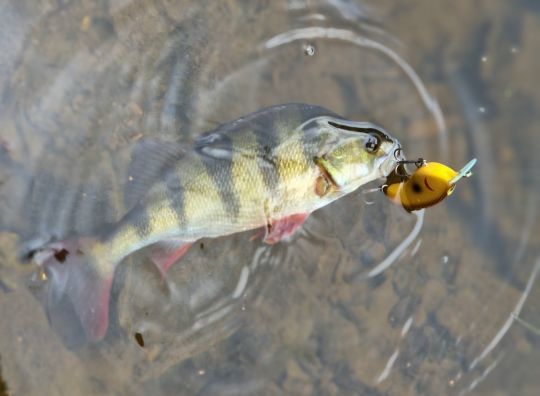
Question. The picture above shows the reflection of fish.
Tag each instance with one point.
(270, 169)
(427, 186)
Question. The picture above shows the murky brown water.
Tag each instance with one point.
(366, 299)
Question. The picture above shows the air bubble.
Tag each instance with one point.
(309, 49)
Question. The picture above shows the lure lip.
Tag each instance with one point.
(463, 172)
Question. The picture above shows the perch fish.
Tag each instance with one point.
(269, 170)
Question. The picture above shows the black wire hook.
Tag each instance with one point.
(400, 169)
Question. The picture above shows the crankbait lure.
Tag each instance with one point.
(428, 185)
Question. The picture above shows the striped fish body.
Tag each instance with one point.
(269, 169)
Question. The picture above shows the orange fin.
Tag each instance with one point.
(284, 227)
(259, 234)
(165, 254)
(72, 274)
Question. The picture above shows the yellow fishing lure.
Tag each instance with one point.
(428, 185)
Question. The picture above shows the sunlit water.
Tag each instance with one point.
(366, 298)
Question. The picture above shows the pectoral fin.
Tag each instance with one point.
(284, 227)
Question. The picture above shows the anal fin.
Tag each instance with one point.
(165, 254)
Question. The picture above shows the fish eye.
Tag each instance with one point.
(372, 144)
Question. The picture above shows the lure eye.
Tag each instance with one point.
(416, 188)
(372, 144)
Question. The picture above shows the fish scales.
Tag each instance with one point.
(250, 178)
(184, 203)
(219, 164)
(296, 168)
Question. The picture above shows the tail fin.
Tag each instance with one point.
(75, 274)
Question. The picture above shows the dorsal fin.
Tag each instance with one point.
(149, 159)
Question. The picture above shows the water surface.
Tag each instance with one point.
(366, 299)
